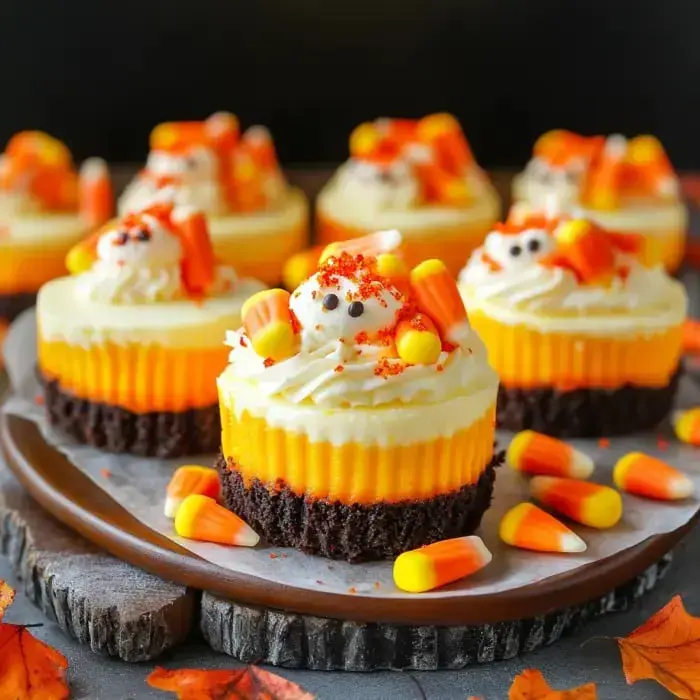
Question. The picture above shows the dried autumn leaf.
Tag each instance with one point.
(531, 685)
(666, 649)
(251, 683)
(29, 669)
(7, 596)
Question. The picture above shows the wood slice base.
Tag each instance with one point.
(289, 640)
(111, 606)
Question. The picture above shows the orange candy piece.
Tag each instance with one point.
(300, 266)
(686, 425)
(202, 518)
(96, 197)
(528, 527)
(589, 504)
(371, 245)
(605, 180)
(588, 248)
(417, 341)
(441, 563)
(438, 297)
(535, 453)
(691, 336)
(188, 480)
(647, 476)
(268, 323)
(198, 262)
(444, 133)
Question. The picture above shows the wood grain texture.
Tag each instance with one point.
(256, 635)
(107, 604)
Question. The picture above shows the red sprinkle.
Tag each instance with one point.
(662, 443)
(439, 368)
(268, 362)
(243, 342)
(604, 443)
(105, 473)
(339, 368)
(386, 369)
(273, 555)
(39, 400)
(362, 338)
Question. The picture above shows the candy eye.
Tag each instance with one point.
(515, 251)
(356, 309)
(143, 235)
(533, 245)
(121, 238)
(330, 302)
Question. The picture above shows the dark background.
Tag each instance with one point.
(99, 74)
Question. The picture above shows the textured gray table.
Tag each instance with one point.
(565, 664)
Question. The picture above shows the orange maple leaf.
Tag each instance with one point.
(666, 648)
(251, 683)
(531, 685)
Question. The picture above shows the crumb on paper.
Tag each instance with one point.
(377, 584)
(272, 555)
(352, 590)
(319, 582)
(105, 473)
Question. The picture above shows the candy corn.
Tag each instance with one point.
(96, 198)
(438, 296)
(268, 324)
(587, 248)
(528, 527)
(439, 564)
(691, 336)
(198, 264)
(37, 147)
(190, 480)
(81, 257)
(604, 182)
(643, 475)
(687, 426)
(300, 266)
(393, 267)
(223, 130)
(364, 140)
(417, 341)
(371, 245)
(444, 133)
(535, 453)
(258, 143)
(589, 504)
(202, 518)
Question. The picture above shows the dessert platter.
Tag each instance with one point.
(398, 462)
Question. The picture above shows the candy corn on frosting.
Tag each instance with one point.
(625, 185)
(130, 344)
(46, 206)
(256, 219)
(358, 410)
(586, 339)
(418, 176)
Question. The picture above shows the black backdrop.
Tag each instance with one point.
(100, 73)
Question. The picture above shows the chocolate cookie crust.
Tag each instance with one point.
(12, 305)
(156, 434)
(585, 412)
(354, 532)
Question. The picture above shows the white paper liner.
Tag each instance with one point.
(139, 486)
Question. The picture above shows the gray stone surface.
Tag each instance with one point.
(116, 610)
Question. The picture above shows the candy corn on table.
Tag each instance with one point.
(510, 622)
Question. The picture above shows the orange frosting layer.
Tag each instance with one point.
(452, 244)
(356, 473)
(524, 357)
(139, 379)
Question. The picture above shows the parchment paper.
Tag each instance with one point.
(139, 486)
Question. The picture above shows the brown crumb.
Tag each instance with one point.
(319, 582)
(352, 590)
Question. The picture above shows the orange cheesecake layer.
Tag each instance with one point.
(139, 379)
(260, 256)
(453, 244)
(527, 358)
(353, 472)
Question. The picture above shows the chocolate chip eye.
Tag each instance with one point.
(122, 238)
(356, 309)
(533, 245)
(330, 301)
(515, 250)
(143, 235)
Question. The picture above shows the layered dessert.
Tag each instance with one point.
(418, 176)
(256, 219)
(358, 411)
(130, 344)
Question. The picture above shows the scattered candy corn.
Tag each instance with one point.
(529, 527)
(268, 324)
(535, 453)
(202, 518)
(439, 564)
(300, 266)
(586, 503)
(687, 426)
(190, 480)
(96, 195)
(643, 475)
(198, 265)
(438, 296)
(417, 341)
(371, 245)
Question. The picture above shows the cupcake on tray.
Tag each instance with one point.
(358, 412)
(256, 219)
(586, 340)
(46, 206)
(131, 344)
(418, 176)
(628, 186)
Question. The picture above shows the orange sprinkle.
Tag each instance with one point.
(296, 324)
(439, 368)
(604, 443)
(661, 443)
(450, 347)
(362, 338)
(105, 473)
(273, 555)
(386, 369)
(243, 342)
(339, 368)
(268, 362)
(352, 590)
(39, 400)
